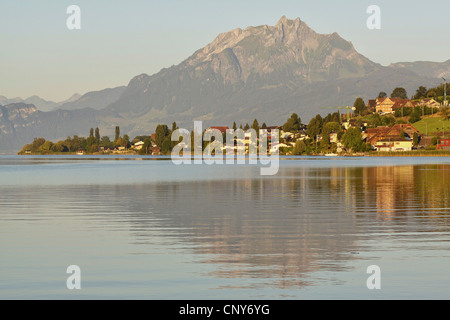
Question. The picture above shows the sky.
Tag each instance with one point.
(120, 39)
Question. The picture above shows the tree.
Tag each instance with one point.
(246, 127)
(255, 125)
(299, 148)
(174, 126)
(91, 133)
(147, 147)
(234, 126)
(97, 135)
(352, 139)
(36, 144)
(415, 116)
(126, 140)
(431, 93)
(445, 112)
(359, 105)
(421, 92)
(117, 133)
(166, 145)
(415, 139)
(105, 142)
(162, 131)
(388, 120)
(264, 126)
(382, 94)
(315, 127)
(90, 142)
(59, 147)
(399, 93)
(46, 147)
(75, 144)
(293, 124)
(119, 143)
(434, 140)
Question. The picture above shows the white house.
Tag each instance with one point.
(138, 145)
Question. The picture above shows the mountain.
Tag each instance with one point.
(426, 68)
(20, 123)
(264, 72)
(38, 102)
(95, 100)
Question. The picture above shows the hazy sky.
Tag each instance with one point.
(121, 39)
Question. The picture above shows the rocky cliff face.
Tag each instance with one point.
(290, 44)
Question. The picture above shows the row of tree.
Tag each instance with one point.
(422, 92)
(91, 144)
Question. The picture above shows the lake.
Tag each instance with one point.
(143, 228)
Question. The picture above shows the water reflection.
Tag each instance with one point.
(267, 231)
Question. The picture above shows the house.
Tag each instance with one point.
(273, 128)
(376, 134)
(389, 105)
(138, 145)
(276, 147)
(444, 144)
(408, 129)
(394, 144)
(221, 129)
(333, 137)
(156, 151)
(287, 135)
(373, 135)
(429, 102)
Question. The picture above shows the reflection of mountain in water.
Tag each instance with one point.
(281, 229)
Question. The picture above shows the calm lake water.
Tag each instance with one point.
(146, 229)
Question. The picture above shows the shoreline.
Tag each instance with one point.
(430, 153)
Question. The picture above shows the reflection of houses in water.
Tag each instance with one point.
(279, 230)
(394, 190)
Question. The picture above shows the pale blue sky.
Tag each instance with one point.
(121, 39)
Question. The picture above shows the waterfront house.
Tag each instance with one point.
(444, 144)
(373, 135)
(394, 144)
(138, 145)
(156, 151)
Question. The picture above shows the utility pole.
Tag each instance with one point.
(445, 92)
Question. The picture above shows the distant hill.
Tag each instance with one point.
(95, 100)
(20, 123)
(264, 72)
(426, 68)
(38, 102)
